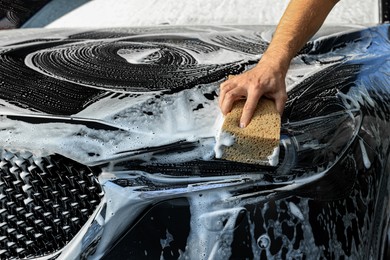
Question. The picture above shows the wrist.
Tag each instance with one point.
(278, 60)
(282, 53)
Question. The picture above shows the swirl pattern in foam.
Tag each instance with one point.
(125, 118)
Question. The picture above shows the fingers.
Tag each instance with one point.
(229, 93)
(239, 88)
(249, 108)
(252, 85)
(280, 98)
(280, 103)
(223, 88)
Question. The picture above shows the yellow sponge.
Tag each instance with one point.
(257, 143)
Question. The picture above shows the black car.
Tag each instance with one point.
(107, 135)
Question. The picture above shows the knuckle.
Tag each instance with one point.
(248, 107)
(222, 92)
(256, 86)
(230, 96)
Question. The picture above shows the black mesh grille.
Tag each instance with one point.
(44, 202)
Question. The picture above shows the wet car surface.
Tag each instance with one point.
(107, 141)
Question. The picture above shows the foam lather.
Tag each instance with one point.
(258, 142)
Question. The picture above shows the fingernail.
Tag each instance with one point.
(242, 125)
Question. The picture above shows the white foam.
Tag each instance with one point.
(295, 210)
(136, 56)
(366, 160)
(173, 119)
(273, 159)
(222, 138)
(212, 226)
(122, 204)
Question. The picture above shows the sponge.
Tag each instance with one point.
(257, 143)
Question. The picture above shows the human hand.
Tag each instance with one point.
(266, 79)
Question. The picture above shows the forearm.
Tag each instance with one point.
(299, 23)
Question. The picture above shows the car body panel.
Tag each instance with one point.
(135, 108)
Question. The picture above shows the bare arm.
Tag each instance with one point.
(300, 21)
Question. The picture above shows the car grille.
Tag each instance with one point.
(44, 202)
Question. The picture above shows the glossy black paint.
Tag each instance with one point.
(347, 208)
(327, 198)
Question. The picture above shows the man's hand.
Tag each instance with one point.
(266, 79)
(300, 21)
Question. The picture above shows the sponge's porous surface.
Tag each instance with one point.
(257, 142)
